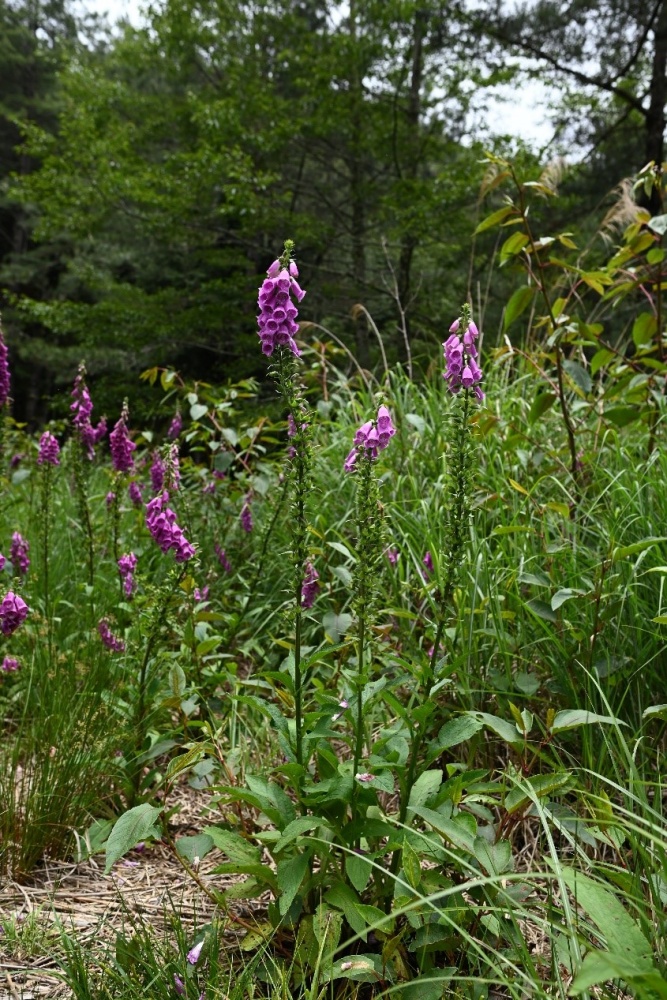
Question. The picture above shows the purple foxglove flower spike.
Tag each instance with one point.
(165, 531)
(18, 554)
(4, 370)
(428, 565)
(310, 587)
(222, 558)
(121, 445)
(157, 473)
(111, 641)
(13, 612)
(9, 665)
(49, 450)
(461, 368)
(134, 493)
(81, 408)
(277, 317)
(126, 567)
(246, 515)
(176, 426)
(374, 436)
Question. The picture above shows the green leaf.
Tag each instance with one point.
(658, 224)
(135, 825)
(429, 986)
(579, 375)
(541, 609)
(518, 303)
(426, 785)
(507, 731)
(238, 850)
(655, 711)
(290, 874)
(194, 847)
(358, 870)
(644, 329)
(624, 939)
(453, 733)
(573, 717)
(336, 626)
(600, 359)
(495, 218)
(454, 830)
(347, 900)
(512, 246)
(198, 410)
(184, 761)
(543, 401)
(494, 858)
(361, 968)
(631, 550)
(540, 785)
(411, 865)
(621, 416)
(561, 596)
(302, 824)
(660, 619)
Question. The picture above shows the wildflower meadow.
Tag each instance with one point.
(349, 681)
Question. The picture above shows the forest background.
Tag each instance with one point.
(148, 174)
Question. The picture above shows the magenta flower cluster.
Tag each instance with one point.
(222, 558)
(82, 407)
(111, 641)
(161, 522)
(121, 444)
(49, 450)
(134, 492)
(310, 587)
(4, 371)
(176, 426)
(126, 567)
(246, 515)
(13, 612)
(461, 368)
(9, 665)
(277, 317)
(157, 473)
(374, 436)
(18, 554)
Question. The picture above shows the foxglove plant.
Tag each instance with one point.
(18, 554)
(161, 522)
(157, 473)
(371, 438)
(126, 567)
(4, 371)
(462, 376)
(111, 641)
(86, 437)
(176, 426)
(121, 446)
(47, 459)
(277, 327)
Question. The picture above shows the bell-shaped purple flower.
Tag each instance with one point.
(121, 445)
(277, 317)
(49, 450)
(4, 371)
(13, 612)
(18, 554)
(310, 587)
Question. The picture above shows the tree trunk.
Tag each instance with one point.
(655, 114)
(357, 195)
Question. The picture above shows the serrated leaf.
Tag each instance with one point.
(573, 717)
(133, 826)
(453, 733)
(238, 850)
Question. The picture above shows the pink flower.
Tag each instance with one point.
(195, 952)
